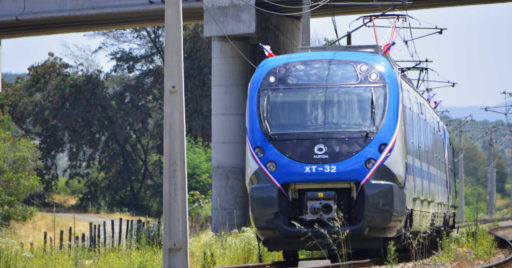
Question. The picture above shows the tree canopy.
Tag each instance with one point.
(109, 125)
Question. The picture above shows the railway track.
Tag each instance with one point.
(347, 264)
(503, 235)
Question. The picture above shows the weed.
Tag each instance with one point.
(472, 242)
(391, 254)
(238, 247)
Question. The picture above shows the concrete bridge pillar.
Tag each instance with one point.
(230, 73)
(236, 28)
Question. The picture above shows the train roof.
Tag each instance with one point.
(369, 49)
(362, 48)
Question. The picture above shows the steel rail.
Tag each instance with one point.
(282, 264)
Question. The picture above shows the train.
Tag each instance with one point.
(340, 144)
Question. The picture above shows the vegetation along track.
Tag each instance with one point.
(503, 235)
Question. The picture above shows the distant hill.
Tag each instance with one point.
(11, 77)
(477, 112)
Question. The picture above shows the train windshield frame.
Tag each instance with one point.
(314, 102)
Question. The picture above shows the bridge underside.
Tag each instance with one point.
(20, 18)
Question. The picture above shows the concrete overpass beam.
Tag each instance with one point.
(236, 28)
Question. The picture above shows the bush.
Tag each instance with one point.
(19, 159)
(199, 166)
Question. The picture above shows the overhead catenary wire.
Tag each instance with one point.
(287, 6)
(320, 4)
(359, 27)
(335, 26)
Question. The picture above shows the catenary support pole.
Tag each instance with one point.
(175, 251)
(491, 176)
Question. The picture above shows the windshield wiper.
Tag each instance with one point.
(265, 121)
(373, 107)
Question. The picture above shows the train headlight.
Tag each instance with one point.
(382, 147)
(369, 163)
(373, 76)
(271, 166)
(363, 68)
(327, 208)
(259, 152)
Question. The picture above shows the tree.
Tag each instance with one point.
(501, 175)
(140, 50)
(18, 162)
(57, 108)
(110, 125)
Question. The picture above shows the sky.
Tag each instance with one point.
(475, 51)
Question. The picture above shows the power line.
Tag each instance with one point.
(231, 42)
(298, 7)
(320, 4)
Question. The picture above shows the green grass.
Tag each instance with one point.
(12, 254)
(473, 242)
(206, 250)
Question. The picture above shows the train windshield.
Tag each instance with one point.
(322, 96)
(322, 109)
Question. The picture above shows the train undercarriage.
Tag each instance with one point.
(334, 217)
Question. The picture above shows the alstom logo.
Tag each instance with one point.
(320, 150)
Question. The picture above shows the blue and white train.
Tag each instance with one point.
(341, 141)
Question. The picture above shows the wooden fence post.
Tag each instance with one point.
(90, 234)
(44, 241)
(127, 231)
(120, 230)
(51, 243)
(94, 238)
(104, 234)
(113, 233)
(159, 226)
(60, 239)
(99, 237)
(83, 240)
(70, 236)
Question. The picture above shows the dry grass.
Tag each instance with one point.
(33, 229)
(66, 201)
(124, 215)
